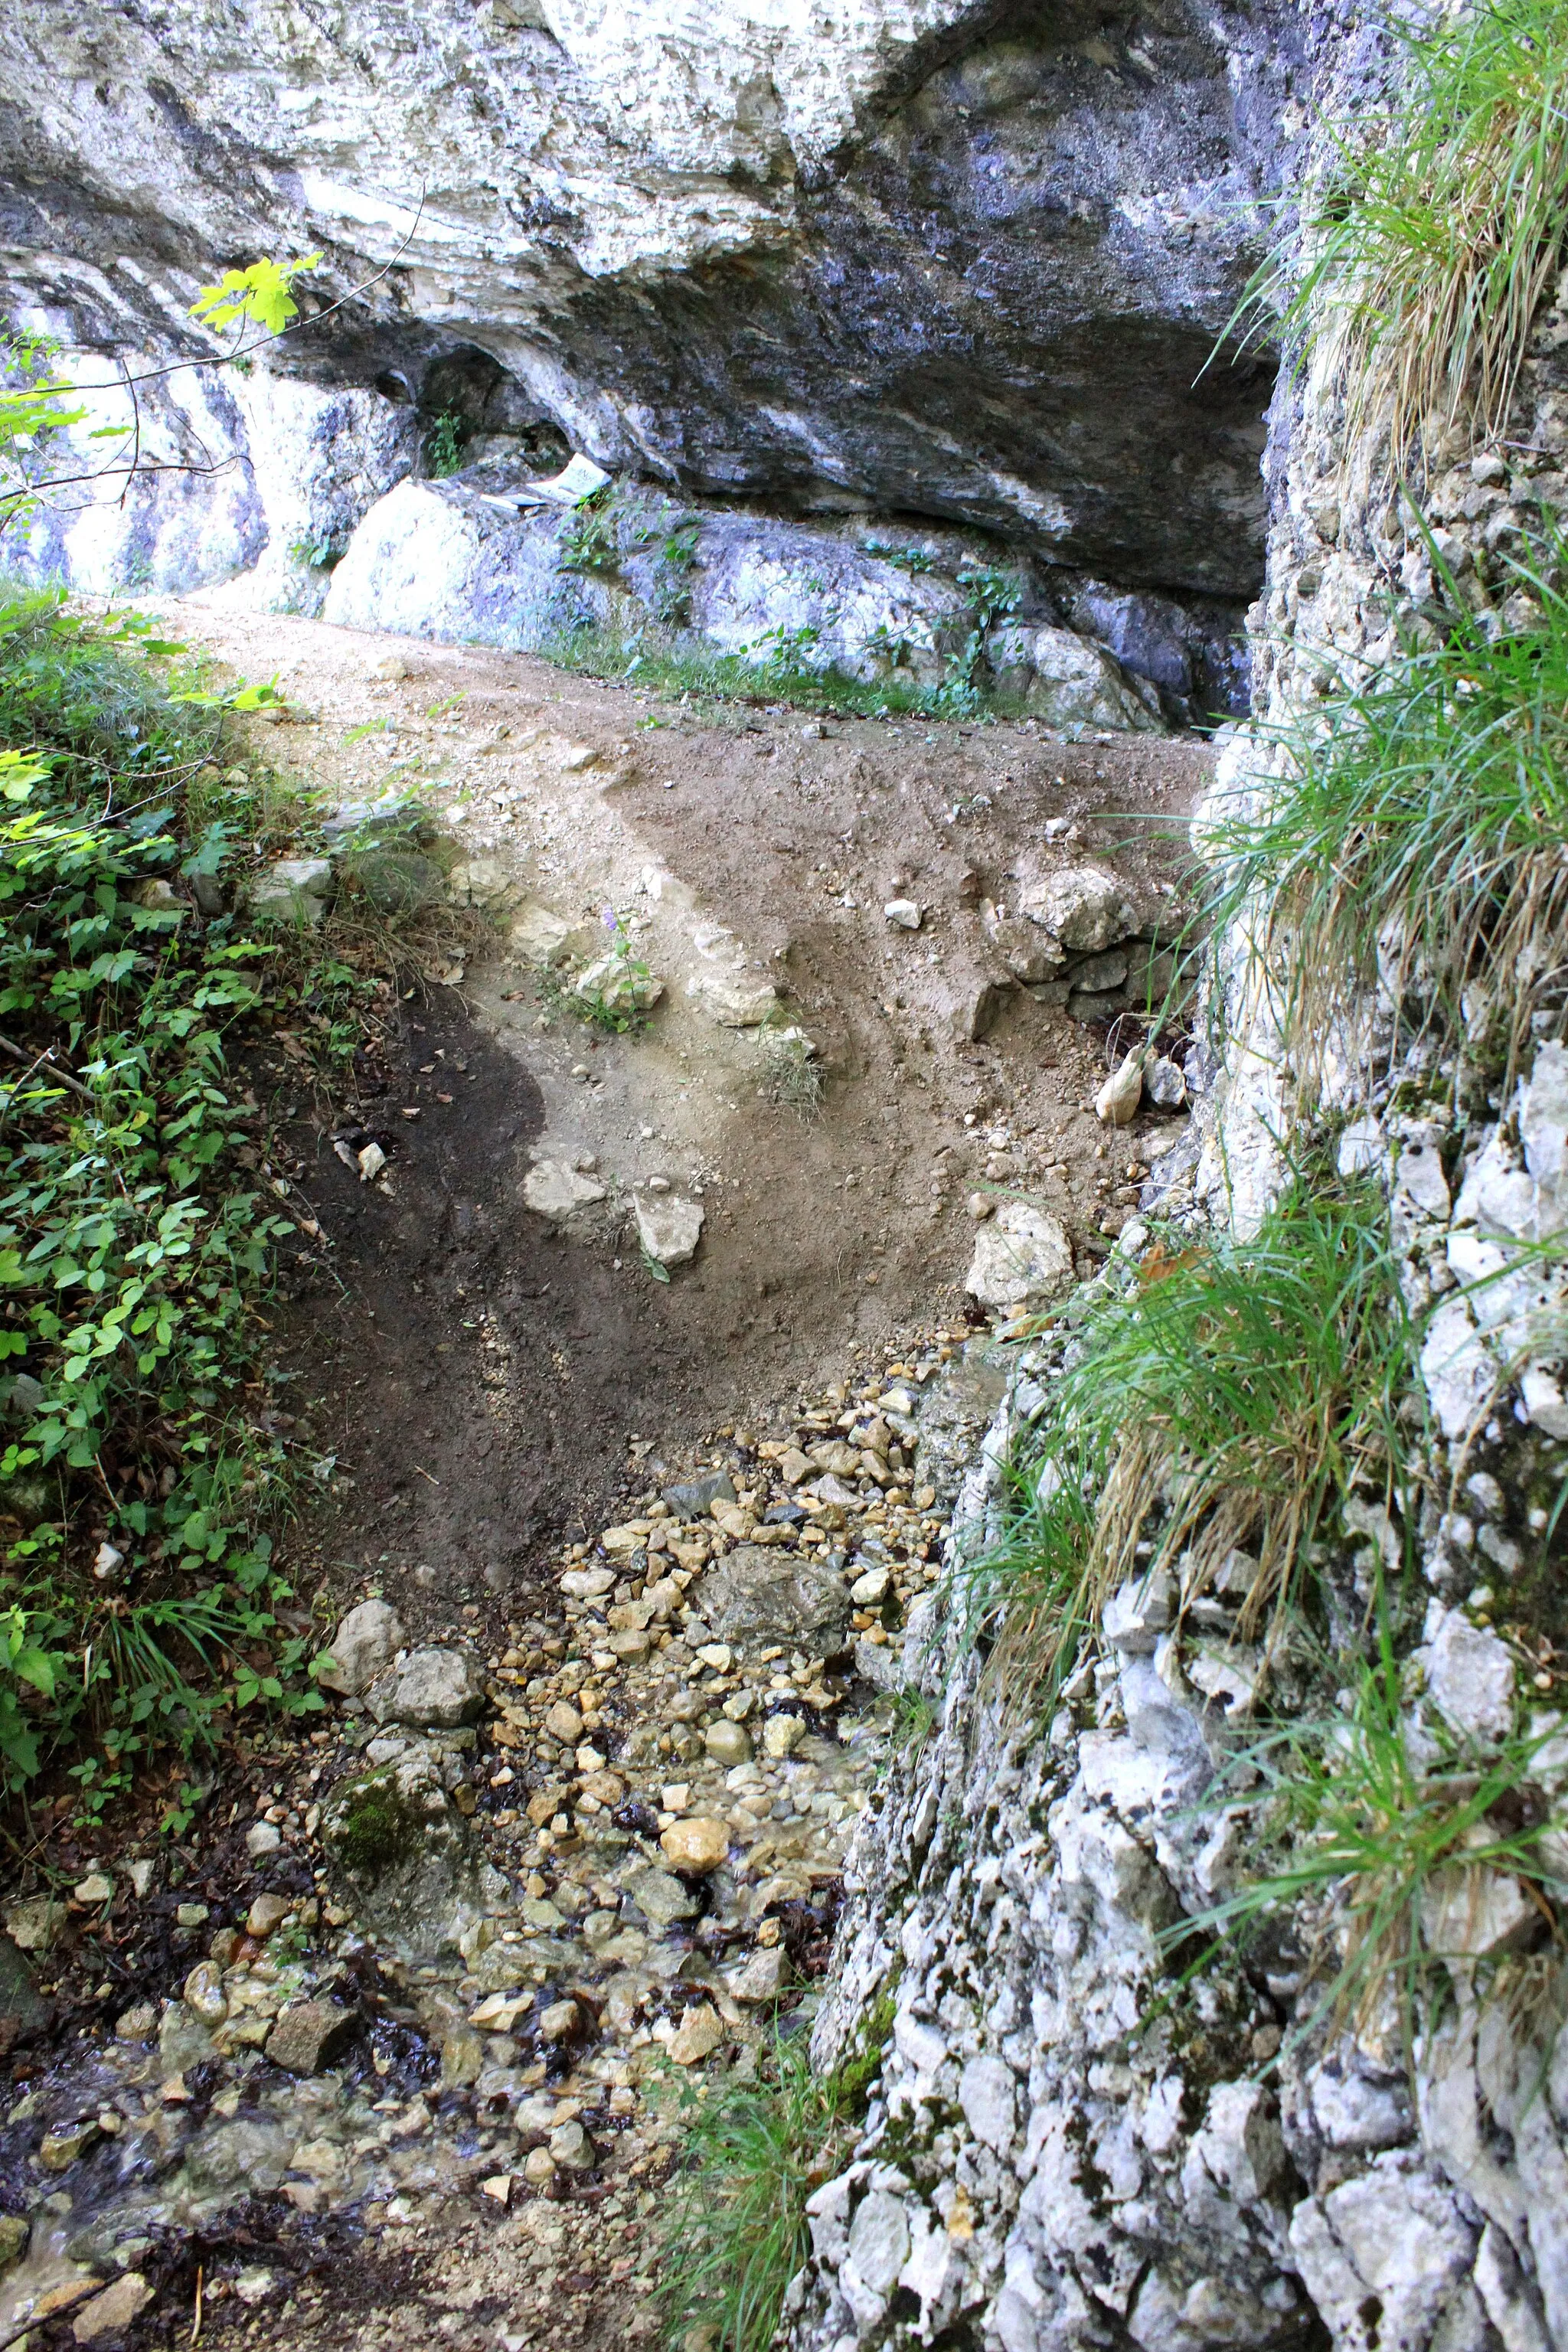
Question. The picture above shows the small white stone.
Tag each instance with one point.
(1469, 1672)
(903, 913)
(1115, 1104)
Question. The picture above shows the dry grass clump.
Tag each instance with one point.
(1417, 835)
(1438, 226)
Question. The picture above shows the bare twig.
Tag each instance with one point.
(89, 2286)
(65, 1078)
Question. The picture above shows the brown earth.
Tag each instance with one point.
(479, 1376)
(490, 1385)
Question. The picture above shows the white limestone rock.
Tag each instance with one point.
(669, 1226)
(1385, 2255)
(364, 1646)
(1470, 1675)
(1022, 1258)
(1084, 909)
(552, 1190)
(987, 2092)
(291, 890)
(1069, 681)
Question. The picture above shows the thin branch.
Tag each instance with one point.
(265, 343)
(65, 1078)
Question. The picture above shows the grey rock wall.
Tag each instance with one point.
(1069, 2147)
(901, 255)
(449, 559)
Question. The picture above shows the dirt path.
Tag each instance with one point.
(513, 1362)
(512, 1401)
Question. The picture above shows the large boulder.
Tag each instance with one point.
(399, 1854)
(1067, 681)
(762, 1595)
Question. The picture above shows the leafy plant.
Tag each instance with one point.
(671, 599)
(141, 1591)
(699, 674)
(260, 295)
(36, 399)
(588, 540)
(320, 554)
(445, 444)
(1439, 224)
(34, 407)
(616, 990)
(912, 560)
(1417, 831)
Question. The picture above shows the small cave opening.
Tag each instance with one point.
(473, 411)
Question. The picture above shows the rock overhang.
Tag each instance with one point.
(961, 262)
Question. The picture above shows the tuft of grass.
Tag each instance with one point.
(1217, 1406)
(1438, 226)
(1417, 833)
(733, 2228)
(791, 1075)
(1397, 1842)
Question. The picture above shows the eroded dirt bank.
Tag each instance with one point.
(638, 1543)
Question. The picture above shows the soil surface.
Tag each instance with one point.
(489, 1372)
(488, 1389)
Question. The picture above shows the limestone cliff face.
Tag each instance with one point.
(1067, 2147)
(901, 255)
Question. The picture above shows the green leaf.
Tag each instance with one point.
(259, 295)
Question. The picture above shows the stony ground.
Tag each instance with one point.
(385, 2040)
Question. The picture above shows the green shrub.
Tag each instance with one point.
(1418, 827)
(1439, 223)
(446, 442)
(140, 1475)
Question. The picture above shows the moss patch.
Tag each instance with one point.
(374, 1828)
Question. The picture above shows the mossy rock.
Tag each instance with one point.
(375, 1826)
(394, 881)
(399, 1851)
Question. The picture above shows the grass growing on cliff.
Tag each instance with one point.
(733, 2229)
(1419, 832)
(1397, 1845)
(1440, 225)
(1217, 1406)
